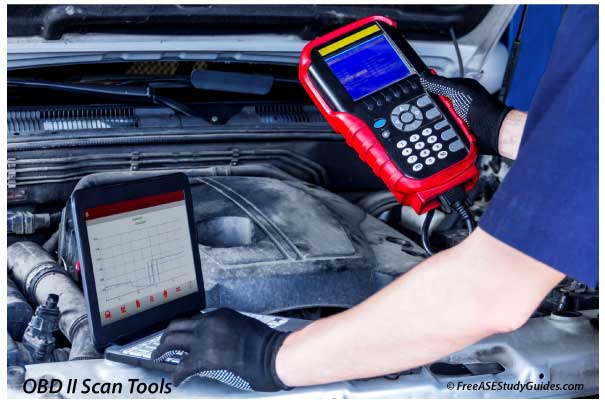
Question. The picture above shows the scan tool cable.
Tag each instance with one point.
(454, 199)
(426, 244)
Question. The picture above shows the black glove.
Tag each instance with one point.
(480, 110)
(226, 346)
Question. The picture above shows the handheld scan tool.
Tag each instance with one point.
(364, 79)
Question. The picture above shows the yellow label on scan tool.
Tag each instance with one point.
(347, 40)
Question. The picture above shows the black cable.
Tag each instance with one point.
(463, 212)
(460, 208)
(426, 244)
(454, 199)
(458, 54)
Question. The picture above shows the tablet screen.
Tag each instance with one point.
(141, 254)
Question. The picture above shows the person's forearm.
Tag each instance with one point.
(511, 132)
(449, 301)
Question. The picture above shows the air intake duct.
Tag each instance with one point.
(38, 275)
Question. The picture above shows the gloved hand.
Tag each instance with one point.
(226, 346)
(480, 110)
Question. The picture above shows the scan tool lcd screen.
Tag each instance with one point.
(368, 67)
(141, 254)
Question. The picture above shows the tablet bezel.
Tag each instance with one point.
(108, 194)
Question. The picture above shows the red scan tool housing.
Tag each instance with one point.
(420, 194)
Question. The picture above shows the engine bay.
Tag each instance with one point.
(276, 246)
(290, 222)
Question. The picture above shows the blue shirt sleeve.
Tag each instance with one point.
(547, 205)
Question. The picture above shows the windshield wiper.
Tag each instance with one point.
(208, 80)
(127, 91)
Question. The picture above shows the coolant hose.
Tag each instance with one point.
(38, 274)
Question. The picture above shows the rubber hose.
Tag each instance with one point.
(19, 311)
(52, 243)
(38, 274)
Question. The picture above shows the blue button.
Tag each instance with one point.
(380, 123)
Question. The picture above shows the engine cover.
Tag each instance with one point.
(270, 246)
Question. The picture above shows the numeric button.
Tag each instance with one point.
(401, 144)
(414, 138)
(425, 153)
(411, 159)
(430, 161)
(437, 147)
(406, 151)
(419, 145)
(442, 154)
(431, 139)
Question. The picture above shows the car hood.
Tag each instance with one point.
(306, 21)
(46, 35)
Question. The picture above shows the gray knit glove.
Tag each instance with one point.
(479, 109)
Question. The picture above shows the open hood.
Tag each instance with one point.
(47, 35)
(306, 21)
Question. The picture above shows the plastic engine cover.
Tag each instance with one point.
(269, 246)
